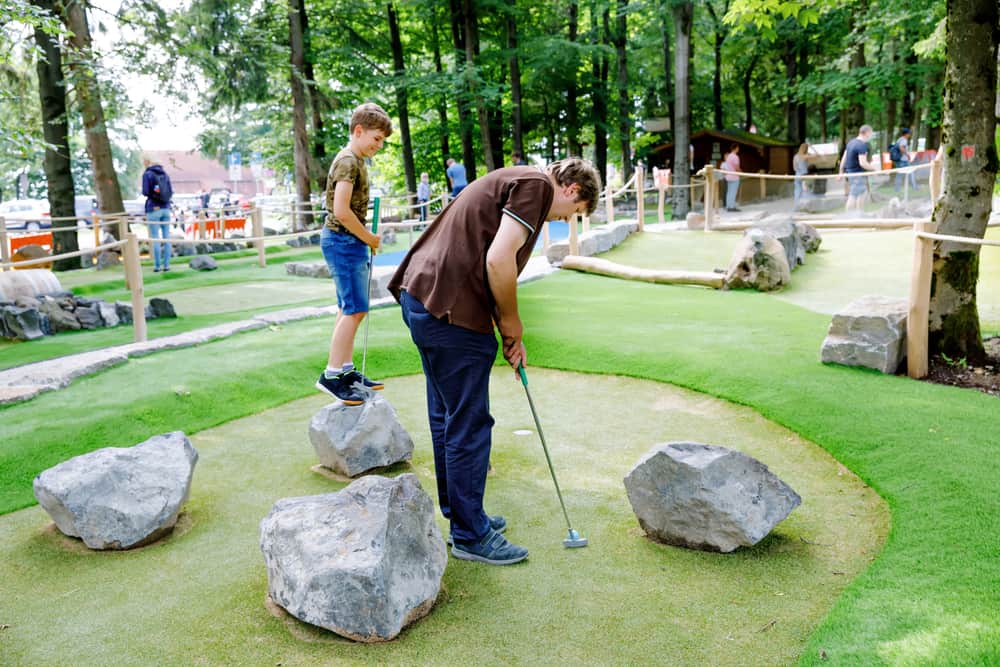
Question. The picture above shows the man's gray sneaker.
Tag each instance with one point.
(492, 549)
(497, 523)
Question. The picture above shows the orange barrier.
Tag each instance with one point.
(43, 239)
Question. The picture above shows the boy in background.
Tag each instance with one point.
(345, 242)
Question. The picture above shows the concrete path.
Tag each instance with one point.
(22, 383)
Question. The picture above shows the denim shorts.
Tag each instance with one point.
(347, 258)
(859, 184)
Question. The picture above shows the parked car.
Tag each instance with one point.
(86, 209)
(27, 214)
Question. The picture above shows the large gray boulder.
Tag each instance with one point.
(706, 497)
(787, 234)
(364, 562)
(870, 332)
(120, 497)
(759, 262)
(811, 239)
(355, 439)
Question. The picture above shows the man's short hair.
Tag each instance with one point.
(371, 116)
(579, 171)
(865, 128)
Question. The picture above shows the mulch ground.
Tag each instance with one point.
(957, 373)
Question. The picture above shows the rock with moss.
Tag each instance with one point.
(364, 562)
(758, 262)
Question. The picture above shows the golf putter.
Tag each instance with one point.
(573, 539)
(371, 260)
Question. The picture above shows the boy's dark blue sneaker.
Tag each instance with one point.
(497, 523)
(493, 549)
(339, 387)
(368, 383)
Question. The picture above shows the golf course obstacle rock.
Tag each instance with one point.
(787, 234)
(120, 497)
(355, 439)
(27, 282)
(706, 497)
(203, 263)
(870, 332)
(810, 237)
(759, 262)
(593, 242)
(364, 562)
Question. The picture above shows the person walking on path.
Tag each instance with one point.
(801, 167)
(899, 153)
(854, 162)
(457, 282)
(345, 242)
(456, 177)
(423, 195)
(732, 163)
(158, 191)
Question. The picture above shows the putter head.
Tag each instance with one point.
(574, 541)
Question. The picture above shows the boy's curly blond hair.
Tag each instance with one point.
(371, 116)
(579, 171)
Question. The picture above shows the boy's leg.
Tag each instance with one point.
(342, 340)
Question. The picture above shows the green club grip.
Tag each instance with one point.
(524, 376)
(375, 207)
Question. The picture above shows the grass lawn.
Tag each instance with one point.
(929, 598)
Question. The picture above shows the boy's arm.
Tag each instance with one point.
(347, 217)
(501, 273)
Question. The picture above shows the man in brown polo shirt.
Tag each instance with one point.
(457, 282)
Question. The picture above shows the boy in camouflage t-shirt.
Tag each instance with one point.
(345, 241)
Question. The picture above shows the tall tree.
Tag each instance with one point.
(473, 74)
(440, 100)
(624, 101)
(572, 110)
(683, 18)
(318, 104)
(970, 120)
(720, 31)
(296, 10)
(55, 127)
(464, 100)
(82, 64)
(513, 62)
(402, 101)
(600, 16)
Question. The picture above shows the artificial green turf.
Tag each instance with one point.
(929, 599)
(617, 602)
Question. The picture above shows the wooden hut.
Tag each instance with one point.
(757, 152)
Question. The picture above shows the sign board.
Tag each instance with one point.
(235, 166)
(256, 165)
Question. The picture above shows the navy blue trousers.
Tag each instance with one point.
(457, 364)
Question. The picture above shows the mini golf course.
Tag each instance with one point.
(829, 586)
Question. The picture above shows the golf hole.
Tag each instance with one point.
(523, 431)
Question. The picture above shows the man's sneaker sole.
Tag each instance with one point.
(323, 389)
(465, 555)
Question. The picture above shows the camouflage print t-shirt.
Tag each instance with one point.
(347, 167)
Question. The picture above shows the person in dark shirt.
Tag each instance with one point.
(854, 162)
(457, 282)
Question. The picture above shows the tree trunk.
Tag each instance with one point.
(317, 166)
(515, 80)
(463, 97)
(720, 38)
(801, 111)
(599, 90)
(472, 74)
(683, 15)
(890, 121)
(402, 103)
(791, 76)
(624, 102)
(668, 76)
(970, 173)
(823, 133)
(856, 109)
(55, 127)
(442, 101)
(88, 97)
(572, 113)
(747, 99)
(301, 135)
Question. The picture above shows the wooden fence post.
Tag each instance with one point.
(934, 181)
(709, 197)
(640, 195)
(123, 227)
(545, 237)
(4, 250)
(97, 230)
(609, 203)
(133, 277)
(257, 222)
(763, 184)
(574, 240)
(920, 296)
(586, 223)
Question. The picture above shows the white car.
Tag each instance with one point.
(28, 214)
